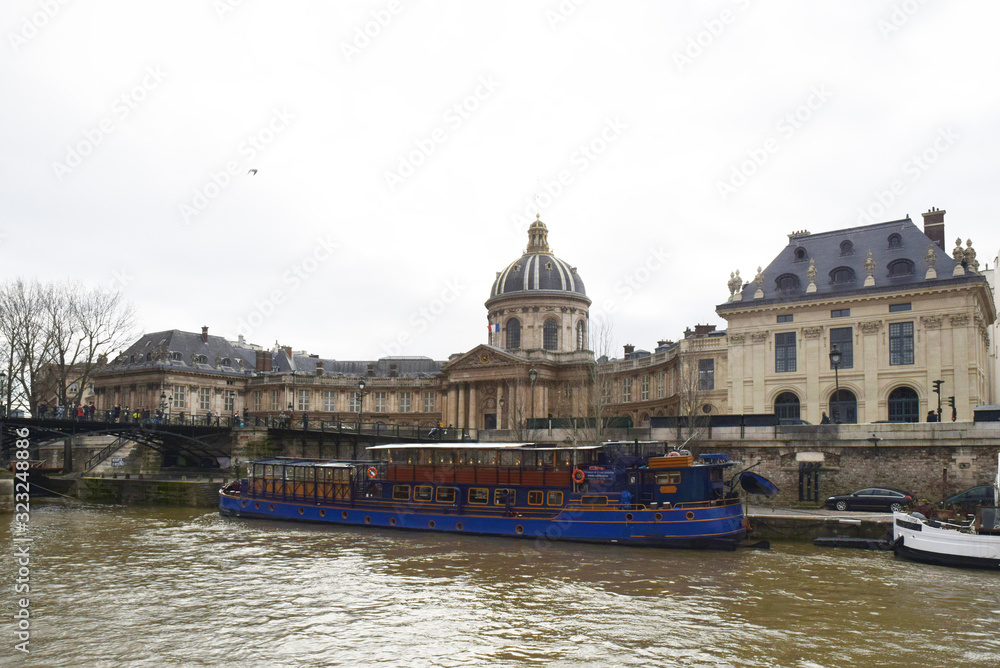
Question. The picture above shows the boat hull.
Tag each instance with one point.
(919, 541)
(720, 527)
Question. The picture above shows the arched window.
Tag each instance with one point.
(513, 334)
(900, 268)
(895, 241)
(846, 248)
(581, 336)
(227, 362)
(786, 406)
(787, 283)
(550, 334)
(904, 406)
(801, 255)
(844, 407)
(842, 275)
(201, 359)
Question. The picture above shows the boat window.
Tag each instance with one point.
(529, 459)
(563, 459)
(486, 457)
(446, 494)
(536, 497)
(594, 500)
(269, 471)
(672, 478)
(426, 456)
(327, 475)
(258, 470)
(716, 474)
(301, 471)
(289, 472)
(343, 475)
(422, 492)
(479, 495)
(509, 458)
(545, 458)
(501, 495)
(401, 492)
(555, 498)
(467, 457)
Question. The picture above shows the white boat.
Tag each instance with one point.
(975, 545)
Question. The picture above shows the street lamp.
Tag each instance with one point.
(532, 376)
(835, 356)
(361, 398)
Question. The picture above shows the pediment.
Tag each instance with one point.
(483, 356)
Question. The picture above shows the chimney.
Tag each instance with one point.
(629, 349)
(204, 334)
(393, 370)
(263, 360)
(934, 226)
(702, 330)
(319, 367)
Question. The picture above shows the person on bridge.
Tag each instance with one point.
(305, 421)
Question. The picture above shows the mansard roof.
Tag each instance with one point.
(174, 349)
(898, 249)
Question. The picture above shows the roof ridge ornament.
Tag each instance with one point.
(735, 283)
(958, 254)
(870, 268)
(759, 280)
(931, 259)
(811, 273)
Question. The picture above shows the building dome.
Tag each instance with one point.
(538, 270)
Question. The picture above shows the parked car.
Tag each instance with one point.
(871, 498)
(969, 500)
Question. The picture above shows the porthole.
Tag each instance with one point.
(256, 506)
(459, 526)
(322, 513)
(368, 519)
(243, 504)
(628, 517)
(271, 507)
(431, 524)
(302, 511)
(519, 529)
(689, 515)
(392, 521)
(658, 516)
(343, 515)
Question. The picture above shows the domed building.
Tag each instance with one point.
(537, 364)
(538, 302)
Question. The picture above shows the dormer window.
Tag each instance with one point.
(787, 283)
(846, 248)
(900, 268)
(176, 356)
(842, 275)
(801, 255)
(226, 361)
(895, 241)
(201, 359)
(548, 265)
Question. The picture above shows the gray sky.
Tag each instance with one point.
(402, 148)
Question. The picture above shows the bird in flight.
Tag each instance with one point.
(252, 171)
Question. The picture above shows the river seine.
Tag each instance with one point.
(117, 586)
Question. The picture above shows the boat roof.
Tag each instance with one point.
(467, 445)
(289, 461)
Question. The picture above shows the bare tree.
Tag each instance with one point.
(27, 340)
(514, 407)
(596, 388)
(84, 324)
(691, 392)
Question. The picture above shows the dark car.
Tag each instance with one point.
(871, 498)
(969, 500)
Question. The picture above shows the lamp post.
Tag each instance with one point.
(361, 399)
(532, 376)
(835, 356)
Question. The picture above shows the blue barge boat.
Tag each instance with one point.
(611, 493)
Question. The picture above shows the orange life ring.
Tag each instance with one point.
(372, 472)
(579, 476)
(673, 453)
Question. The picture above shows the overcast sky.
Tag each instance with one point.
(401, 149)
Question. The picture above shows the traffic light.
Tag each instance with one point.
(937, 386)
(951, 402)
